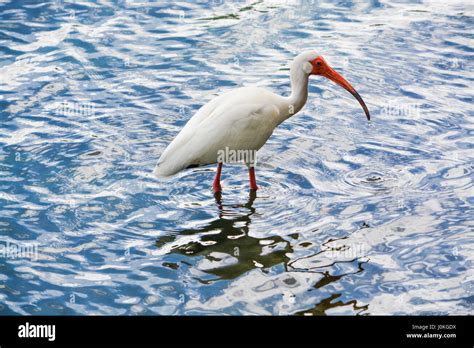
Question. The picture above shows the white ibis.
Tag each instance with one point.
(242, 120)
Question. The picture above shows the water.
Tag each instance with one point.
(351, 218)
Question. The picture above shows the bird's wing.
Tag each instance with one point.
(242, 120)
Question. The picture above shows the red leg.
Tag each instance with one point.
(216, 186)
(253, 182)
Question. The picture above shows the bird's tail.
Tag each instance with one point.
(162, 170)
(166, 168)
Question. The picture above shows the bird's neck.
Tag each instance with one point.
(299, 93)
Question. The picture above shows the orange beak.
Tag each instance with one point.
(320, 67)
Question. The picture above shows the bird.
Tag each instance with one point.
(241, 121)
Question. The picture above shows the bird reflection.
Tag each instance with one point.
(224, 249)
(225, 243)
(329, 303)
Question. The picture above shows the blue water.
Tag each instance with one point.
(351, 218)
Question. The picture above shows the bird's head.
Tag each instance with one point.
(314, 64)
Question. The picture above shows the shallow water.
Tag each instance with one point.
(351, 218)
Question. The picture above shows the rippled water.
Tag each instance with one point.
(351, 218)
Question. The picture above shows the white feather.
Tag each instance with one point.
(242, 119)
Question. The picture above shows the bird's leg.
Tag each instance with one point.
(253, 182)
(216, 186)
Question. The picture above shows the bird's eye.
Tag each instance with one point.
(318, 63)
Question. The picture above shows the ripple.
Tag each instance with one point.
(373, 180)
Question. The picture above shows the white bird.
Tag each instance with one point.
(241, 121)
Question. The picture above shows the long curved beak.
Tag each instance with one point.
(333, 75)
